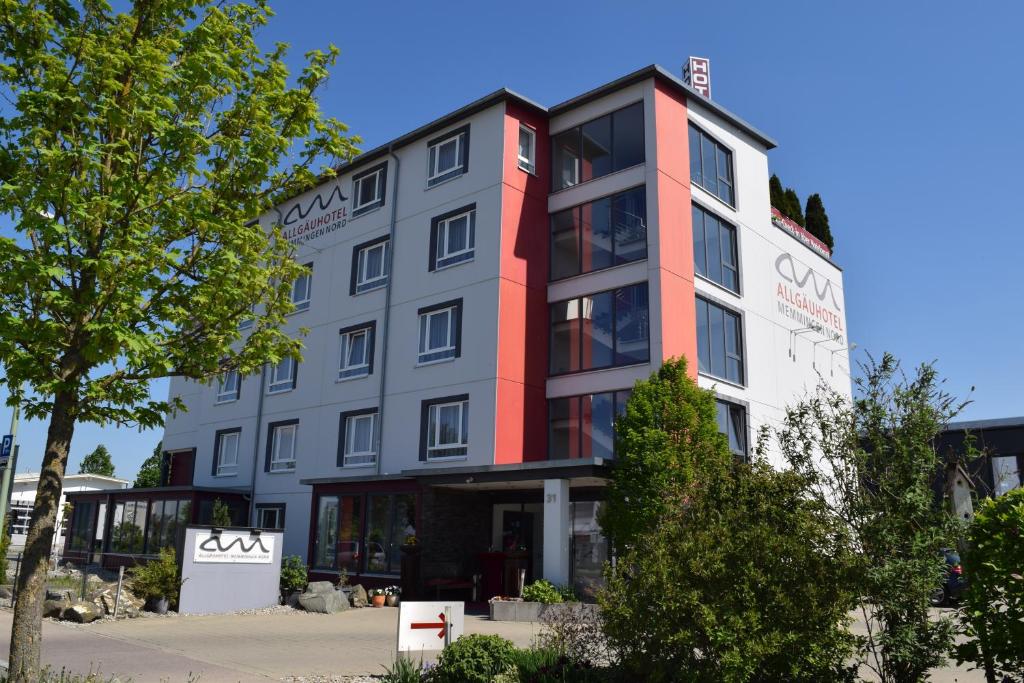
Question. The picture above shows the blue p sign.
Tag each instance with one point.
(5, 449)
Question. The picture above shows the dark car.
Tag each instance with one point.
(955, 583)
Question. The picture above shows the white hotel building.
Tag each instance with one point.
(483, 293)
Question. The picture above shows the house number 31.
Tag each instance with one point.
(552, 498)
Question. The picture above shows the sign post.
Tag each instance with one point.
(429, 626)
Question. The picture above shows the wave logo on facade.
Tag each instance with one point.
(227, 547)
(323, 213)
(815, 306)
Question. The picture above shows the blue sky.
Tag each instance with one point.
(905, 117)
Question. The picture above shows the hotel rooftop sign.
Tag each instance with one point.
(793, 228)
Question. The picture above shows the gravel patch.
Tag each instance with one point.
(332, 679)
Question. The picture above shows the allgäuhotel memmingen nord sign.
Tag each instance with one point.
(233, 547)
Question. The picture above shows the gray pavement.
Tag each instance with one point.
(258, 647)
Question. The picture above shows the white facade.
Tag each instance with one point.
(23, 497)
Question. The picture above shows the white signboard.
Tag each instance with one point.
(233, 547)
(422, 625)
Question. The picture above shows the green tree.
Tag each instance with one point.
(149, 473)
(221, 513)
(872, 462)
(136, 149)
(793, 209)
(669, 430)
(817, 220)
(776, 193)
(97, 462)
(992, 617)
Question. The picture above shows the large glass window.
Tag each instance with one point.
(584, 426)
(600, 330)
(83, 519)
(325, 550)
(1005, 474)
(129, 527)
(589, 549)
(342, 542)
(732, 422)
(167, 522)
(604, 145)
(711, 165)
(599, 234)
(389, 520)
(715, 255)
(719, 342)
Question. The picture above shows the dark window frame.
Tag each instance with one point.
(741, 341)
(216, 449)
(382, 185)
(719, 145)
(615, 331)
(735, 247)
(435, 224)
(579, 399)
(271, 427)
(425, 425)
(579, 145)
(295, 378)
(280, 507)
(342, 434)
(579, 256)
(742, 410)
(455, 304)
(371, 343)
(238, 390)
(353, 287)
(305, 303)
(463, 169)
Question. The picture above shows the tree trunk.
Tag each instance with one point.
(26, 634)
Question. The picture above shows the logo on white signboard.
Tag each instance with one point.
(424, 625)
(233, 547)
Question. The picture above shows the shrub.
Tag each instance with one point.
(221, 513)
(542, 591)
(5, 545)
(159, 578)
(294, 575)
(543, 665)
(992, 616)
(474, 659)
(575, 631)
(404, 670)
(568, 593)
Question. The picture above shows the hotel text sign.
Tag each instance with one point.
(697, 74)
(233, 547)
(313, 217)
(808, 297)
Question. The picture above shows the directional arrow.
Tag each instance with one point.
(431, 624)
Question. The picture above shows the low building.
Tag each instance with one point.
(1001, 441)
(23, 497)
(482, 294)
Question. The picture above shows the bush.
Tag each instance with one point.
(575, 632)
(294, 575)
(543, 665)
(568, 593)
(159, 578)
(542, 591)
(5, 545)
(474, 659)
(404, 670)
(992, 616)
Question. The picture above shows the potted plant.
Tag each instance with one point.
(391, 594)
(158, 582)
(294, 577)
(377, 597)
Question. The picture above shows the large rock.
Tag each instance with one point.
(59, 595)
(5, 593)
(358, 596)
(54, 608)
(320, 587)
(324, 603)
(82, 613)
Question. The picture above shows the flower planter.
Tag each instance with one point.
(160, 605)
(378, 600)
(391, 600)
(515, 610)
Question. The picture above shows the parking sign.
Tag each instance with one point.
(5, 449)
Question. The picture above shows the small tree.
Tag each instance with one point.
(792, 208)
(871, 463)
(817, 220)
(149, 473)
(992, 617)
(221, 513)
(97, 462)
(776, 194)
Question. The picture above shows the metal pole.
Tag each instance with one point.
(17, 573)
(117, 596)
(8, 471)
(447, 626)
(85, 576)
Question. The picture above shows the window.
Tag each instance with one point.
(714, 249)
(605, 145)
(601, 330)
(129, 529)
(452, 237)
(283, 375)
(527, 149)
(440, 332)
(281, 446)
(228, 386)
(339, 533)
(270, 516)
(601, 234)
(83, 518)
(390, 518)
(719, 342)
(343, 543)
(444, 427)
(448, 156)
(732, 421)
(370, 265)
(357, 438)
(711, 165)
(584, 426)
(368, 190)
(301, 289)
(225, 451)
(356, 350)
(1005, 474)
(167, 522)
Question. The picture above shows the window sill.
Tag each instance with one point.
(359, 466)
(225, 401)
(367, 290)
(299, 308)
(364, 210)
(275, 392)
(721, 379)
(224, 475)
(353, 377)
(447, 458)
(711, 195)
(291, 471)
(439, 183)
(716, 285)
(606, 175)
(529, 169)
(428, 363)
(438, 269)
